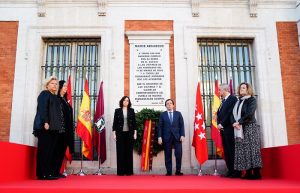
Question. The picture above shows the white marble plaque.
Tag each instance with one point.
(149, 74)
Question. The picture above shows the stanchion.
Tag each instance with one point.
(98, 172)
(81, 172)
(216, 168)
(65, 172)
(200, 171)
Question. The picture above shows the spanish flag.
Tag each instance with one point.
(147, 146)
(84, 126)
(215, 133)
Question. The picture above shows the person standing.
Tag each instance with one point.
(171, 133)
(65, 139)
(246, 133)
(124, 132)
(226, 129)
(47, 124)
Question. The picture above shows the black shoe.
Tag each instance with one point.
(248, 175)
(227, 175)
(178, 173)
(256, 174)
(50, 177)
(168, 174)
(254, 177)
(41, 177)
(236, 174)
(61, 176)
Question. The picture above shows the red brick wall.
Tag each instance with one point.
(148, 25)
(289, 52)
(8, 46)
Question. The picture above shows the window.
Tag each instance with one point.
(80, 58)
(222, 59)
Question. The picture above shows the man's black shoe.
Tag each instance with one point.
(168, 174)
(41, 177)
(179, 173)
(50, 177)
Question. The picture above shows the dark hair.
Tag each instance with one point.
(122, 100)
(169, 100)
(61, 84)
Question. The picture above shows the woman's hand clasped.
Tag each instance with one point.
(114, 136)
(46, 126)
(236, 125)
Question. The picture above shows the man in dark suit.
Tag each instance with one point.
(171, 133)
(227, 132)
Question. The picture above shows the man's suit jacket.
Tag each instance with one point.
(225, 112)
(166, 128)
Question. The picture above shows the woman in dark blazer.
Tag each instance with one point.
(124, 132)
(47, 126)
(247, 134)
(65, 139)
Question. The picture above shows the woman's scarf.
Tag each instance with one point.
(237, 110)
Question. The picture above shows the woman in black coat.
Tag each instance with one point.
(48, 123)
(124, 132)
(65, 139)
(247, 134)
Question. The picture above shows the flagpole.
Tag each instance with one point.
(200, 171)
(98, 172)
(81, 172)
(65, 171)
(216, 169)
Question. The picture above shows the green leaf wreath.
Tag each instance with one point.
(141, 116)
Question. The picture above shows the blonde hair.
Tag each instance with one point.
(250, 90)
(48, 80)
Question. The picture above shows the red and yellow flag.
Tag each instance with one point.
(215, 133)
(84, 126)
(147, 146)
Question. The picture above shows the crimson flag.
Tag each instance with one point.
(231, 87)
(99, 127)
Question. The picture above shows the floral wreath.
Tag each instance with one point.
(141, 117)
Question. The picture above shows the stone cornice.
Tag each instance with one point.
(165, 2)
(195, 5)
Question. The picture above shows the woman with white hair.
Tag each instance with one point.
(48, 123)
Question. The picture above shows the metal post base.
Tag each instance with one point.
(65, 173)
(81, 173)
(98, 172)
(216, 173)
(200, 173)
